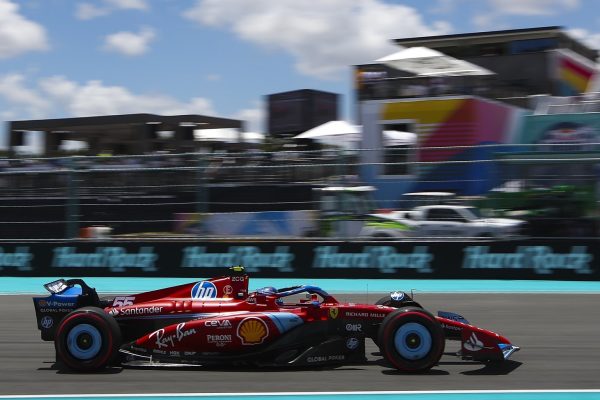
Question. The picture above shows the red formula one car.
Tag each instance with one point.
(217, 321)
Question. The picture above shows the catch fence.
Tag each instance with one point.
(552, 186)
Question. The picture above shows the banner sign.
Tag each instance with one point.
(530, 259)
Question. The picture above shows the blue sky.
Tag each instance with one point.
(63, 58)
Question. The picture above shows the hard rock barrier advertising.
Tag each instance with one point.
(531, 259)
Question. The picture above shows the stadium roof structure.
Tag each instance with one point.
(125, 129)
(445, 42)
(110, 122)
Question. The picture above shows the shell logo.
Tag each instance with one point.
(252, 330)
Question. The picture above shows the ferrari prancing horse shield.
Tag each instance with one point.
(334, 312)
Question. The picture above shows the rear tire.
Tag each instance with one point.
(411, 339)
(87, 339)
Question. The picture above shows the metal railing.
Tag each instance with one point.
(168, 195)
(584, 103)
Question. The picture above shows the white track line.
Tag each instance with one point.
(408, 392)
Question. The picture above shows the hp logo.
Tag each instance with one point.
(204, 290)
(352, 343)
(47, 322)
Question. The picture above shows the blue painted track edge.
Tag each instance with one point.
(33, 285)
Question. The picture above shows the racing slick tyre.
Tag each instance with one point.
(411, 339)
(87, 339)
(387, 301)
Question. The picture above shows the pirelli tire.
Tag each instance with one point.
(87, 339)
(411, 339)
(389, 302)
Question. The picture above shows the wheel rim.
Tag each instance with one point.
(413, 341)
(84, 341)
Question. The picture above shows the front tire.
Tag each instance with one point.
(405, 301)
(87, 339)
(411, 339)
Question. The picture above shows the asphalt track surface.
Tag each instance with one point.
(559, 335)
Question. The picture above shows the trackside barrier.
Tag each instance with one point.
(528, 259)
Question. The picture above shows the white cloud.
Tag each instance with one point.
(14, 90)
(57, 95)
(485, 22)
(129, 43)
(18, 34)
(128, 4)
(255, 118)
(533, 7)
(86, 11)
(324, 37)
(8, 115)
(589, 38)
(59, 88)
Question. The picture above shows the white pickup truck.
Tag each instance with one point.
(440, 221)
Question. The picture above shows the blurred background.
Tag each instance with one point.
(498, 130)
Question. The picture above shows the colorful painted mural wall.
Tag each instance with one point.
(580, 128)
(560, 152)
(447, 129)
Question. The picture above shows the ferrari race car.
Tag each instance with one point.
(217, 322)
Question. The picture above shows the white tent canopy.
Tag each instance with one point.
(344, 134)
(399, 138)
(334, 133)
(331, 128)
(423, 61)
(227, 135)
(410, 53)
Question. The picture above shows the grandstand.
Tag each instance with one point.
(119, 134)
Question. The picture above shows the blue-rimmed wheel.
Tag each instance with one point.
(399, 300)
(411, 339)
(87, 339)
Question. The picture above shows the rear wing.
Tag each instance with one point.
(61, 286)
(65, 296)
